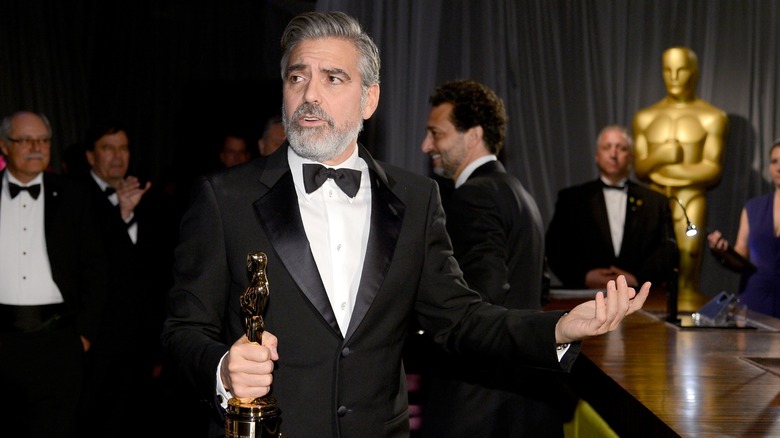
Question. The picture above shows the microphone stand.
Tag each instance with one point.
(672, 294)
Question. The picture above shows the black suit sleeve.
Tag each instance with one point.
(458, 320)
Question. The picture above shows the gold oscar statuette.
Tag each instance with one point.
(259, 417)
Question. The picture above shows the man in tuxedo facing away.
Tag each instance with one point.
(53, 277)
(139, 244)
(356, 250)
(611, 226)
(498, 240)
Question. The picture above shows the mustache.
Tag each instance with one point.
(314, 110)
(34, 156)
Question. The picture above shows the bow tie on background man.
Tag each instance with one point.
(109, 190)
(314, 175)
(34, 190)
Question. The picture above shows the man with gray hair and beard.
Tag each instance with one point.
(356, 250)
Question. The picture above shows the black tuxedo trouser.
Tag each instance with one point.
(41, 375)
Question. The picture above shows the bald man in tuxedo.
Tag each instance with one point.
(611, 226)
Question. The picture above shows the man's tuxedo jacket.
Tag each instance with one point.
(123, 356)
(327, 384)
(578, 237)
(139, 272)
(498, 239)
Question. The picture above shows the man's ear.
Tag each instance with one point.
(372, 101)
(90, 156)
(476, 136)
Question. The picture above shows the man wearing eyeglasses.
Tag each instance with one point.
(52, 284)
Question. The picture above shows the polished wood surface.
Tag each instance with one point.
(652, 378)
(657, 301)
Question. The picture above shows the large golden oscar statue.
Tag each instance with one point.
(679, 152)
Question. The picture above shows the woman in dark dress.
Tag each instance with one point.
(758, 241)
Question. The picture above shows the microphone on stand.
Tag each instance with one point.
(730, 258)
(721, 311)
(690, 230)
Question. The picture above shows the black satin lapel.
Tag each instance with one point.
(631, 216)
(281, 218)
(387, 214)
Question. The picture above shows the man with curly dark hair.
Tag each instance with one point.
(498, 238)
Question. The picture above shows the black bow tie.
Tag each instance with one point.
(109, 190)
(607, 186)
(314, 175)
(34, 190)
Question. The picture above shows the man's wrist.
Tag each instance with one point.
(223, 393)
(558, 331)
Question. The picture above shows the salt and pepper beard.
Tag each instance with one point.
(322, 143)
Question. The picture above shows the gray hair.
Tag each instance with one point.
(616, 127)
(5, 126)
(316, 25)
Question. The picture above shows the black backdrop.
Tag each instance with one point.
(179, 72)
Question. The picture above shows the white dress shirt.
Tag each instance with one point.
(337, 229)
(616, 212)
(25, 272)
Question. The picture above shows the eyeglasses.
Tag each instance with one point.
(30, 141)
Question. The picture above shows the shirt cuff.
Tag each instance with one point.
(561, 349)
(223, 395)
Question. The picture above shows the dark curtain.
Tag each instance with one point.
(567, 68)
(180, 72)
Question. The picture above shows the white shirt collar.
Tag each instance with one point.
(10, 178)
(472, 167)
(99, 181)
(621, 182)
